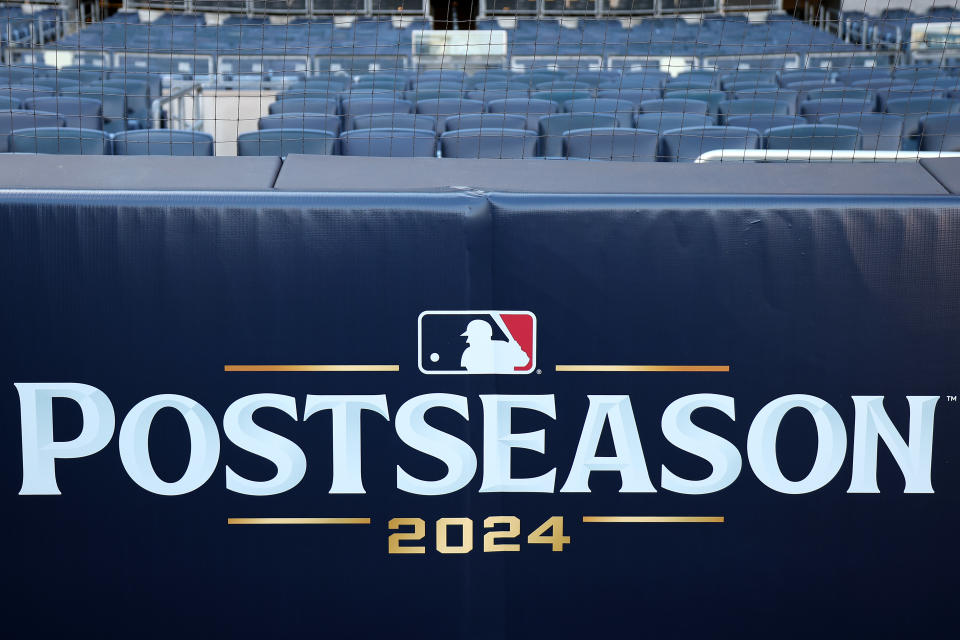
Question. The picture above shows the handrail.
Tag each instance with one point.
(801, 155)
(177, 98)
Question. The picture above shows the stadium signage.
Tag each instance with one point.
(496, 342)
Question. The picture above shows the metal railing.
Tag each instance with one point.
(800, 155)
(171, 111)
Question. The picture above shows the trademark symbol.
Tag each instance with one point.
(949, 398)
(539, 372)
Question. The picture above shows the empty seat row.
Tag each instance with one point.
(77, 141)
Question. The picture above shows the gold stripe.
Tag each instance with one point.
(311, 367)
(653, 518)
(298, 520)
(723, 368)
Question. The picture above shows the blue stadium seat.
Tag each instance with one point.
(611, 143)
(443, 108)
(759, 106)
(666, 121)
(530, 107)
(711, 96)
(940, 132)
(114, 107)
(635, 96)
(878, 131)
(688, 143)
(80, 113)
(552, 129)
(61, 141)
(488, 143)
(559, 95)
(392, 143)
(354, 106)
(16, 119)
(162, 142)
(813, 137)
(289, 120)
(623, 110)
(914, 109)
(763, 121)
(280, 142)
(673, 105)
(813, 110)
(306, 105)
(428, 95)
(486, 121)
(394, 121)
(490, 94)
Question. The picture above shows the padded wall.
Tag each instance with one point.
(148, 294)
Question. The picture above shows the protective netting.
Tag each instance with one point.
(642, 80)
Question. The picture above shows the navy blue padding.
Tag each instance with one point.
(162, 142)
(486, 121)
(940, 132)
(393, 121)
(389, 143)
(281, 142)
(488, 143)
(686, 144)
(611, 143)
(82, 113)
(762, 122)
(305, 105)
(623, 110)
(667, 121)
(355, 106)
(321, 121)
(878, 131)
(635, 96)
(19, 119)
(673, 105)
(813, 137)
(61, 141)
(813, 110)
(553, 127)
(756, 106)
(443, 108)
(532, 108)
(917, 108)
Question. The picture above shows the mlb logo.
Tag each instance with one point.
(477, 342)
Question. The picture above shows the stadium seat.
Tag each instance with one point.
(488, 143)
(711, 96)
(486, 121)
(80, 113)
(394, 121)
(553, 127)
(940, 132)
(15, 119)
(365, 106)
(611, 143)
(559, 96)
(321, 121)
(114, 107)
(666, 121)
(529, 107)
(443, 108)
(305, 105)
(61, 141)
(764, 121)
(426, 95)
(688, 143)
(878, 131)
(813, 137)
(491, 94)
(280, 142)
(20, 92)
(162, 142)
(673, 105)
(787, 96)
(390, 143)
(634, 96)
(866, 96)
(914, 109)
(813, 110)
(759, 106)
(621, 109)
(901, 92)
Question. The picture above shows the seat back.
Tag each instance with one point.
(756, 106)
(916, 108)
(666, 121)
(321, 121)
(355, 106)
(488, 143)
(60, 141)
(813, 137)
(878, 131)
(162, 142)
(610, 143)
(443, 108)
(761, 122)
(559, 96)
(553, 127)
(940, 132)
(390, 143)
(280, 142)
(622, 110)
(394, 121)
(17, 119)
(486, 121)
(80, 113)
(687, 143)
(305, 105)
(711, 96)
(673, 105)
(532, 108)
(634, 96)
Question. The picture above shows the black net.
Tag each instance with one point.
(657, 80)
